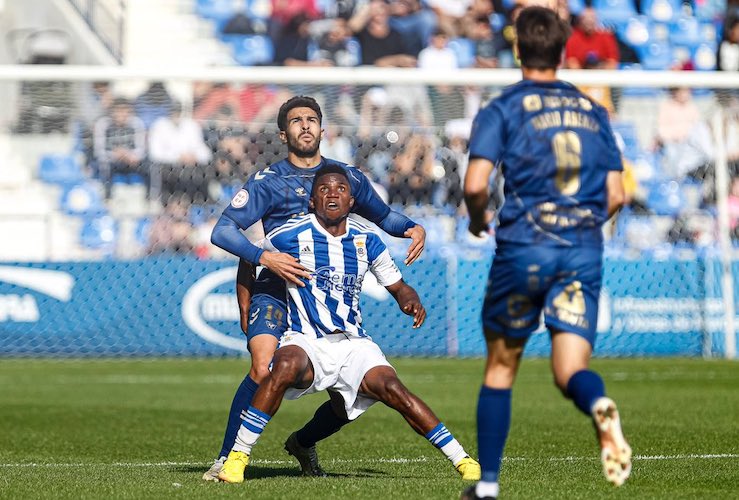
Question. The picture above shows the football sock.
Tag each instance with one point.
(250, 430)
(440, 437)
(584, 387)
(493, 423)
(484, 489)
(324, 423)
(242, 400)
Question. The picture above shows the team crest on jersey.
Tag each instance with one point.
(532, 102)
(361, 250)
(300, 191)
(240, 198)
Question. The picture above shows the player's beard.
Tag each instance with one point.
(295, 147)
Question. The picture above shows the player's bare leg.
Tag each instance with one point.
(382, 383)
(291, 368)
(570, 359)
(245, 278)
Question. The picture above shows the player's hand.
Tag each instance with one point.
(415, 309)
(285, 266)
(418, 236)
(479, 229)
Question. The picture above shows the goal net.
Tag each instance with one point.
(113, 178)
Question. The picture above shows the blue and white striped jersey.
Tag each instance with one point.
(329, 303)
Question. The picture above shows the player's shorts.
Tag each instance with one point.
(524, 280)
(267, 316)
(268, 309)
(339, 365)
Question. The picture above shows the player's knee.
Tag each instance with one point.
(286, 369)
(259, 373)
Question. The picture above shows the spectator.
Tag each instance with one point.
(413, 22)
(451, 15)
(438, 56)
(153, 103)
(734, 207)
(94, 101)
(171, 231)
(216, 102)
(120, 146)
(683, 136)
(283, 12)
(334, 46)
(381, 45)
(728, 51)
(241, 24)
(259, 104)
(481, 34)
(179, 153)
(291, 48)
(410, 176)
(589, 46)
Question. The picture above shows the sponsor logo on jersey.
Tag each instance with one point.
(240, 199)
(24, 308)
(327, 279)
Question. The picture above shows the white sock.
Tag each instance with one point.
(245, 440)
(486, 489)
(453, 451)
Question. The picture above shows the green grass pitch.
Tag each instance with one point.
(148, 429)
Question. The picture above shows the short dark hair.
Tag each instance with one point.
(541, 37)
(331, 168)
(298, 101)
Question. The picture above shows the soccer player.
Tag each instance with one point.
(274, 195)
(325, 346)
(562, 173)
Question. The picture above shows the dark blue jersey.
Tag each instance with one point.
(555, 147)
(282, 191)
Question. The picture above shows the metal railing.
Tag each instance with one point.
(106, 18)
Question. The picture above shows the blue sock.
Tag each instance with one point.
(324, 423)
(584, 387)
(493, 423)
(239, 405)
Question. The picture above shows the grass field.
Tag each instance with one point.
(148, 429)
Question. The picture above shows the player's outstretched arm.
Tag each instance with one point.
(408, 301)
(476, 193)
(245, 278)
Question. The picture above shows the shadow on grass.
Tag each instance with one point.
(265, 472)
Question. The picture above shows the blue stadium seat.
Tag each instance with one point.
(575, 6)
(662, 10)
(217, 10)
(685, 30)
(709, 10)
(627, 132)
(60, 169)
(82, 199)
(656, 56)
(614, 13)
(99, 233)
(251, 50)
(464, 49)
(704, 57)
(635, 32)
(666, 198)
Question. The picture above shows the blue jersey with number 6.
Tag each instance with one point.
(555, 147)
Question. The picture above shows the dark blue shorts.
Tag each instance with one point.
(268, 310)
(562, 282)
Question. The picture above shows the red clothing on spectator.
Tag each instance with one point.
(284, 10)
(598, 47)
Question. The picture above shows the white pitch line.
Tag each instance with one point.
(711, 456)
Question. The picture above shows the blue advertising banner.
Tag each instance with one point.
(187, 307)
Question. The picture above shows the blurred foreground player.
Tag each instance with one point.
(562, 173)
(274, 195)
(325, 346)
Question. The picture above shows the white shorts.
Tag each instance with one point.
(339, 365)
